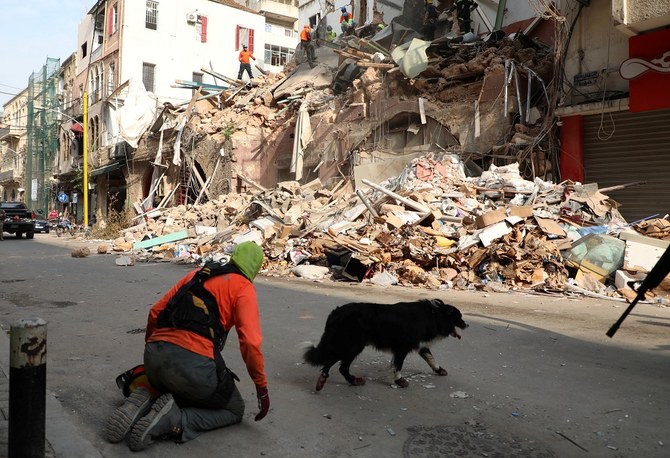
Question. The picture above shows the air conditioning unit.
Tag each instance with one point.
(192, 18)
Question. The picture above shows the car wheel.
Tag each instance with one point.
(46, 230)
(30, 235)
(18, 234)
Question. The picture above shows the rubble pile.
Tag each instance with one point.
(431, 226)
(440, 223)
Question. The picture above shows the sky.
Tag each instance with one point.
(31, 31)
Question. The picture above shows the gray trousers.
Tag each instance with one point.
(192, 380)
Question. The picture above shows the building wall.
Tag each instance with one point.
(389, 9)
(280, 39)
(176, 47)
(12, 147)
(595, 46)
(641, 14)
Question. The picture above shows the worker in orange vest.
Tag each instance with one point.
(307, 44)
(244, 62)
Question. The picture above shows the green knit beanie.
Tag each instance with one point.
(248, 257)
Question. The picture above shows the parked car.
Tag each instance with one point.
(18, 219)
(41, 225)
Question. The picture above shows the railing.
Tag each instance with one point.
(6, 175)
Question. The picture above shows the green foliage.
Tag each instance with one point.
(228, 130)
(77, 180)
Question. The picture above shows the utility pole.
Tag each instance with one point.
(85, 191)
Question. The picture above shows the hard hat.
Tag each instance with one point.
(344, 9)
(244, 46)
(307, 26)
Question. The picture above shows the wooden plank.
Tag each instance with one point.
(222, 77)
(174, 237)
(261, 70)
(374, 65)
(251, 183)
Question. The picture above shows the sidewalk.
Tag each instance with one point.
(62, 437)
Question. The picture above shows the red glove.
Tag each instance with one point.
(263, 402)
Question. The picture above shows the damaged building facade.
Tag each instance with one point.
(614, 105)
(461, 161)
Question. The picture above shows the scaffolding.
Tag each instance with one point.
(42, 135)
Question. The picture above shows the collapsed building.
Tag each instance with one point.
(393, 160)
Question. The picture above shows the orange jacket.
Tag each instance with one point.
(305, 35)
(245, 56)
(345, 17)
(238, 307)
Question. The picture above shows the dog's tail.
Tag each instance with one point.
(313, 355)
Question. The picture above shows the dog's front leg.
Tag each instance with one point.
(398, 360)
(428, 357)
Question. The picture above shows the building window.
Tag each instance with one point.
(277, 55)
(244, 36)
(288, 32)
(84, 49)
(148, 76)
(111, 81)
(151, 21)
(113, 18)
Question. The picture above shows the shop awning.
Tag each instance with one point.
(105, 169)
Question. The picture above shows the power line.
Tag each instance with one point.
(7, 85)
(9, 93)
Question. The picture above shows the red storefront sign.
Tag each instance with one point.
(648, 70)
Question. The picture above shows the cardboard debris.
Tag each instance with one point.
(409, 212)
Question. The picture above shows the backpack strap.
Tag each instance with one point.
(175, 316)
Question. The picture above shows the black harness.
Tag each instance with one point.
(195, 309)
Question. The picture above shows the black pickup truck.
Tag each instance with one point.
(18, 219)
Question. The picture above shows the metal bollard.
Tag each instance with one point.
(27, 388)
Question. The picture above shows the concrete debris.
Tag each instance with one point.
(80, 252)
(431, 171)
(468, 235)
(125, 261)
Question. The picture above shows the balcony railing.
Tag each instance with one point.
(8, 131)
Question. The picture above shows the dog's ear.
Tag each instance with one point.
(437, 303)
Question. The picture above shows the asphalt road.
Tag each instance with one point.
(533, 375)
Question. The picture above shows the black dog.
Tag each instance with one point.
(399, 328)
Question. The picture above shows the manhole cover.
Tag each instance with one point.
(441, 441)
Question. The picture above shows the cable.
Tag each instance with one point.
(602, 113)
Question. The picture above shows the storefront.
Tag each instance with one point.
(626, 141)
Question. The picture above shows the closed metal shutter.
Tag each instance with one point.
(638, 150)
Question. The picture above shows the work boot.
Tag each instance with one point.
(124, 417)
(163, 420)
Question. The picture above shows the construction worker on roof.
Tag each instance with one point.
(330, 34)
(307, 44)
(463, 9)
(346, 20)
(244, 62)
(430, 20)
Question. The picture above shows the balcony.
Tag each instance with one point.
(9, 131)
(282, 10)
(637, 16)
(7, 176)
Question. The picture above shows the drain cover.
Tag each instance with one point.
(465, 441)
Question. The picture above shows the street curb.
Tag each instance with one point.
(62, 436)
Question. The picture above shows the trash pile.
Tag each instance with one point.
(431, 226)
(435, 224)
